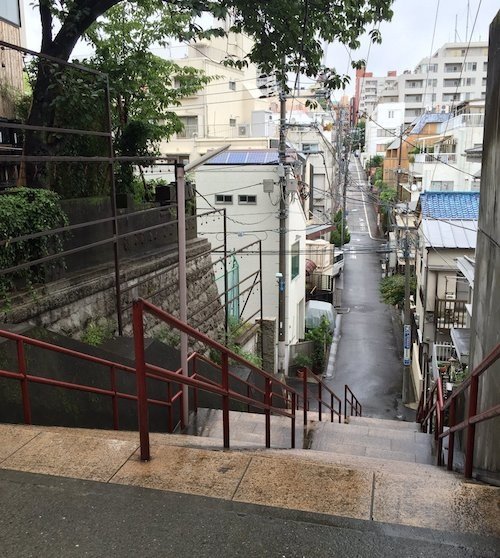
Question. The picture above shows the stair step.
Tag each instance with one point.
(385, 424)
(356, 431)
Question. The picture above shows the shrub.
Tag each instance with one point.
(392, 289)
(25, 211)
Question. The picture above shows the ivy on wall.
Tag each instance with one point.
(25, 211)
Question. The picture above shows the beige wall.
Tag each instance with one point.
(11, 69)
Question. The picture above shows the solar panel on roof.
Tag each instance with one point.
(236, 158)
(256, 157)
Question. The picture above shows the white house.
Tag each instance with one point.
(245, 184)
(382, 127)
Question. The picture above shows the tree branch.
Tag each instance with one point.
(46, 21)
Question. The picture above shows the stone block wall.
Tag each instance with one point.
(68, 306)
(485, 327)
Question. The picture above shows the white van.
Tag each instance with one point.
(338, 262)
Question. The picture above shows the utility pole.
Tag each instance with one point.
(407, 326)
(282, 235)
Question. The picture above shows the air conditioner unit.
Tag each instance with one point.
(243, 130)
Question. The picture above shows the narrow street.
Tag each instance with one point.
(368, 356)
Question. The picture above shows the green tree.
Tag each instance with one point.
(336, 234)
(290, 30)
(392, 289)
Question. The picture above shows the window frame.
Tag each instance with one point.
(241, 201)
(223, 200)
(295, 260)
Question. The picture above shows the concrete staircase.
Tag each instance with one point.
(359, 436)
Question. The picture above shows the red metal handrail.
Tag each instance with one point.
(142, 306)
(319, 398)
(432, 410)
(354, 405)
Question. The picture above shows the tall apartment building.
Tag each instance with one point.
(368, 90)
(454, 73)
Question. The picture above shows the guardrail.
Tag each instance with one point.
(354, 404)
(322, 387)
(432, 412)
(264, 398)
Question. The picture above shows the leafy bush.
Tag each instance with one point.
(25, 211)
(97, 332)
(321, 336)
(392, 289)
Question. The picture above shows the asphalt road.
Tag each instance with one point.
(54, 517)
(369, 353)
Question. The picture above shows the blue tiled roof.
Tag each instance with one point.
(450, 205)
(250, 157)
(429, 118)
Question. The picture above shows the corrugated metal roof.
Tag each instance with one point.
(429, 118)
(450, 205)
(457, 233)
(249, 157)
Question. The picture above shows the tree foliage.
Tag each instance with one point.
(25, 211)
(336, 234)
(392, 289)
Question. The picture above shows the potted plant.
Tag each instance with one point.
(303, 362)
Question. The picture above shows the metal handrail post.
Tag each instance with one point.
(471, 428)
(268, 412)
(225, 399)
(293, 420)
(320, 396)
(21, 361)
(140, 372)
(451, 438)
(112, 371)
(305, 396)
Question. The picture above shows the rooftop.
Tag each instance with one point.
(449, 234)
(429, 118)
(450, 205)
(249, 157)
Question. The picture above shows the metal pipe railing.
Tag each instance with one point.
(432, 411)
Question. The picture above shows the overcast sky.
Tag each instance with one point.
(406, 39)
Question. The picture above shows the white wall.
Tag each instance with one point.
(383, 127)
(248, 223)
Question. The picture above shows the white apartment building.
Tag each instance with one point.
(442, 164)
(383, 126)
(227, 108)
(314, 143)
(454, 73)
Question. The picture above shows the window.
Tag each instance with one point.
(232, 122)
(190, 124)
(485, 66)
(245, 199)
(390, 114)
(468, 81)
(472, 66)
(432, 82)
(223, 198)
(310, 147)
(9, 10)
(232, 85)
(441, 185)
(295, 267)
(484, 82)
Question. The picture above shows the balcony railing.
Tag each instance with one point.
(450, 313)
(463, 120)
(441, 352)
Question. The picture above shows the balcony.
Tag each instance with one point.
(464, 120)
(450, 313)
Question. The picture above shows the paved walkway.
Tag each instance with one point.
(368, 357)
(361, 502)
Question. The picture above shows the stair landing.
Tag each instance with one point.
(396, 493)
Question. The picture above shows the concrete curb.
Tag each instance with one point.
(330, 368)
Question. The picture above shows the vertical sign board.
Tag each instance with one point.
(406, 345)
